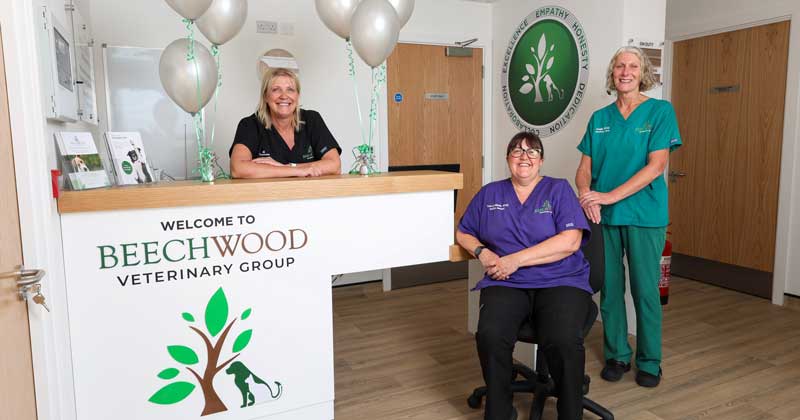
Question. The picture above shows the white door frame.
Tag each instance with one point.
(39, 222)
(791, 132)
(383, 109)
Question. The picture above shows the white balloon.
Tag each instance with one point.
(190, 9)
(336, 15)
(403, 9)
(223, 20)
(375, 29)
(190, 85)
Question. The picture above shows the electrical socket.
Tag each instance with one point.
(266, 27)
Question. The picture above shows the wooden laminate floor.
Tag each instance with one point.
(406, 354)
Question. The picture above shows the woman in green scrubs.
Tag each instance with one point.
(621, 186)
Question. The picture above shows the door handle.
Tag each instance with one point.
(673, 175)
(26, 279)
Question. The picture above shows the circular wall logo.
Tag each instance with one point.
(545, 70)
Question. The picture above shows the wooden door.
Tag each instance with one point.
(440, 117)
(17, 400)
(728, 93)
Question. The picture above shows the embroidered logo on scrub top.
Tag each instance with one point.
(309, 154)
(602, 130)
(493, 207)
(646, 128)
(546, 207)
(263, 153)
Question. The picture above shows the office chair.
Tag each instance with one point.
(538, 381)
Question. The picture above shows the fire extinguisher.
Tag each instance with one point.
(663, 282)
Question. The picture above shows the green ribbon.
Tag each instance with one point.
(206, 159)
(364, 154)
(352, 72)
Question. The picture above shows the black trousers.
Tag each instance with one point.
(558, 315)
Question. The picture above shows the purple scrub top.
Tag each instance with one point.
(496, 217)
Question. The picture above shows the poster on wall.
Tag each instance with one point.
(545, 70)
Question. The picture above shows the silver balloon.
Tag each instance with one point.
(190, 9)
(375, 29)
(223, 20)
(403, 9)
(336, 15)
(190, 85)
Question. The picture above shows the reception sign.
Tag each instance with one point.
(225, 311)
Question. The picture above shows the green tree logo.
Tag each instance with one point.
(539, 72)
(545, 70)
(217, 326)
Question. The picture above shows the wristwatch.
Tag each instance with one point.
(478, 250)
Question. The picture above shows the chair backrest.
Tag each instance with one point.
(594, 252)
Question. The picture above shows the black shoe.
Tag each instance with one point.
(614, 370)
(648, 380)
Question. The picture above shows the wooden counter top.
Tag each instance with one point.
(197, 193)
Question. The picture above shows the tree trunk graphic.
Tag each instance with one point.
(217, 325)
(213, 403)
(537, 87)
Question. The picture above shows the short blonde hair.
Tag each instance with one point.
(648, 76)
(262, 112)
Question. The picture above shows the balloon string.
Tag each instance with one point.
(217, 53)
(217, 57)
(206, 158)
(352, 72)
(378, 78)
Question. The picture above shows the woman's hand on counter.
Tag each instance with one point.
(268, 161)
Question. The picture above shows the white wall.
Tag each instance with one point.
(326, 87)
(692, 18)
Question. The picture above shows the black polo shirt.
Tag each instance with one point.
(311, 142)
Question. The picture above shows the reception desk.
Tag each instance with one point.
(190, 300)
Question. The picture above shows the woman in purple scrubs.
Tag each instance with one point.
(527, 231)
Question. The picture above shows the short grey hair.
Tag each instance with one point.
(648, 76)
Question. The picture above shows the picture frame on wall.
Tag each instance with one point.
(59, 77)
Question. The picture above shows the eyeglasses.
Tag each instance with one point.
(533, 154)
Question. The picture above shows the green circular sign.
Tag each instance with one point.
(127, 167)
(545, 71)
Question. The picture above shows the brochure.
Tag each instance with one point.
(130, 161)
(80, 160)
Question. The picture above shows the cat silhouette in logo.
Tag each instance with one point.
(251, 386)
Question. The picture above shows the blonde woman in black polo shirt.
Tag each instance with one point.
(280, 139)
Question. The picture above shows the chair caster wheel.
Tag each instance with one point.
(474, 401)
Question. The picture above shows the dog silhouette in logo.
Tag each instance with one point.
(253, 389)
(551, 86)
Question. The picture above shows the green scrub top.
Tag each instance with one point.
(619, 149)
